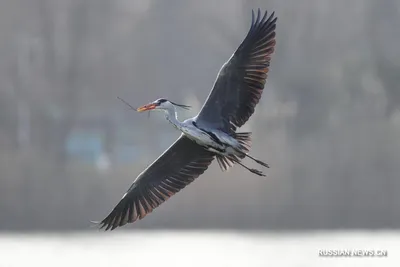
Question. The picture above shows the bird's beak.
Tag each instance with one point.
(147, 107)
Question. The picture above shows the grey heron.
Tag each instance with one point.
(211, 134)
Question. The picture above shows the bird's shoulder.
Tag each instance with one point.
(189, 122)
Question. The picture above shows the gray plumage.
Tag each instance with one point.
(211, 134)
(241, 80)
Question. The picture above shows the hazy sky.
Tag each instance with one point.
(328, 122)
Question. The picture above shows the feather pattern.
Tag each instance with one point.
(240, 82)
(236, 92)
(180, 165)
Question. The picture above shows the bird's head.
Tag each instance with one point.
(161, 104)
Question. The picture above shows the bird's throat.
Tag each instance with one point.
(172, 117)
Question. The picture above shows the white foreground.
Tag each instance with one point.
(189, 248)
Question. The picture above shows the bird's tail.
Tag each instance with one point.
(244, 139)
(225, 162)
(245, 143)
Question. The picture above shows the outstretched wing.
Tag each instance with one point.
(177, 167)
(241, 80)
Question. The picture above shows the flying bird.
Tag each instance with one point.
(211, 134)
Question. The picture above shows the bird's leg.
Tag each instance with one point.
(243, 154)
(255, 171)
(258, 161)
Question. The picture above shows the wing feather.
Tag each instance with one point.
(177, 167)
(240, 82)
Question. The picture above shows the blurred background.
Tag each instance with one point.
(328, 124)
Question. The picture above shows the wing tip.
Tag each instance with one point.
(115, 218)
(110, 223)
(257, 20)
(264, 26)
(118, 217)
(101, 224)
(142, 199)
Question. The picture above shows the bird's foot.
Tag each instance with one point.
(259, 173)
(262, 163)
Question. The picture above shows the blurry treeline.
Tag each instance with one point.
(328, 123)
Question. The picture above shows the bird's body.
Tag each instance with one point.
(213, 140)
(209, 135)
(229, 148)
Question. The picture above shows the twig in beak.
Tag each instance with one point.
(126, 103)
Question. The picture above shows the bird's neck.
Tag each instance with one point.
(172, 116)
